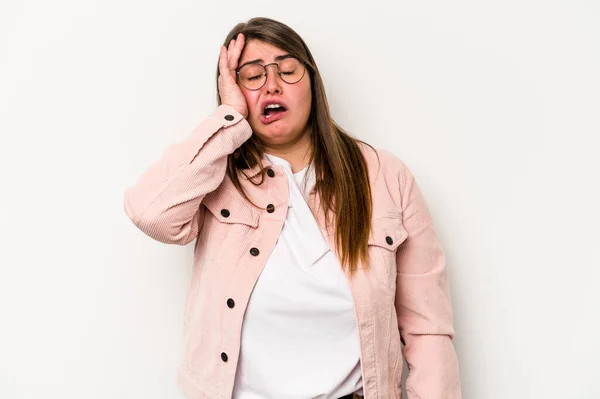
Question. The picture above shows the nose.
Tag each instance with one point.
(273, 83)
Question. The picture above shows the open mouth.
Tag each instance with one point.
(272, 110)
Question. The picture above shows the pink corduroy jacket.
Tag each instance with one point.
(402, 302)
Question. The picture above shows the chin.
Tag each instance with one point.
(275, 136)
(278, 129)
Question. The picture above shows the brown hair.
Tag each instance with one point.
(342, 180)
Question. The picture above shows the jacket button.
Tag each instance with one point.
(229, 117)
(254, 251)
(270, 208)
(230, 303)
(389, 240)
(224, 356)
(270, 173)
(225, 213)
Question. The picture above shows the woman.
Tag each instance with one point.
(315, 254)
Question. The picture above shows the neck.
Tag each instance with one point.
(297, 153)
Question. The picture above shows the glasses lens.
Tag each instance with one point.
(291, 70)
(252, 76)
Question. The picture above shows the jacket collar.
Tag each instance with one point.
(313, 199)
(255, 170)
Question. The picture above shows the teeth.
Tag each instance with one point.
(273, 106)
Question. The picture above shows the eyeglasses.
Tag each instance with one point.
(254, 76)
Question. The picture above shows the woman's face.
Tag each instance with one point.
(280, 127)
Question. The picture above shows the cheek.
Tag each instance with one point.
(307, 101)
(251, 98)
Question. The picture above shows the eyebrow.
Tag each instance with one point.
(278, 58)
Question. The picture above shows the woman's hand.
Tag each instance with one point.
(229, 91)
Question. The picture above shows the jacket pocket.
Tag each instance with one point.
(229, 220)
(386, 236)
(231, 208)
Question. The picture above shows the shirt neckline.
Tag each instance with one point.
(280, 161)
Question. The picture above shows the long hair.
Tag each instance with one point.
(342, 180)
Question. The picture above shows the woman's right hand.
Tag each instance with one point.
(229, 91)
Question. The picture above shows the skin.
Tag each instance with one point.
(288, 137)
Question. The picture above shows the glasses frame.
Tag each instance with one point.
(267, 73)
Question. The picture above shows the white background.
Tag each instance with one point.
(494, 106)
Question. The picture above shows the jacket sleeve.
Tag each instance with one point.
(165, 201)
(423, 302)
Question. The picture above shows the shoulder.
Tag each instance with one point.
(389, 178)
(384, 164)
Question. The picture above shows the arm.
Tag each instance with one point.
(165, 202)
(423, 302)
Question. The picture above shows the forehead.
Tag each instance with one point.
(258, 50)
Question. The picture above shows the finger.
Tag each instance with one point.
(239, 42)
(221, 59)
(223, 64)
(229, 48)
(231, 54)
(236, 52)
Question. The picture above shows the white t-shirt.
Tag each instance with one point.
(299, 336)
